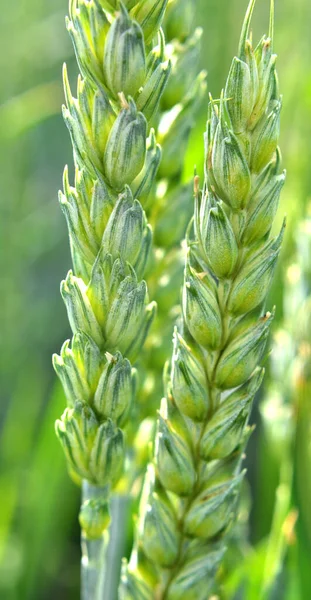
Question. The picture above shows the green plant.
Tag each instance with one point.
(39, 502)
(191, 489)
(120, 86)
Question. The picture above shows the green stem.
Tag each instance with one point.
(93, 554)
(277, 542)
(119, 510)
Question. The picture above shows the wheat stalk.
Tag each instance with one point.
(122, 79)
(191, 490)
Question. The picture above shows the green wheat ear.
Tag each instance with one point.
(191, 490)
(168, 210)
(121, 82)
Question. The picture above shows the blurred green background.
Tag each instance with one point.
(39, 537)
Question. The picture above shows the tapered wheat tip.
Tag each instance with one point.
(246, 27)
(271, 23)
